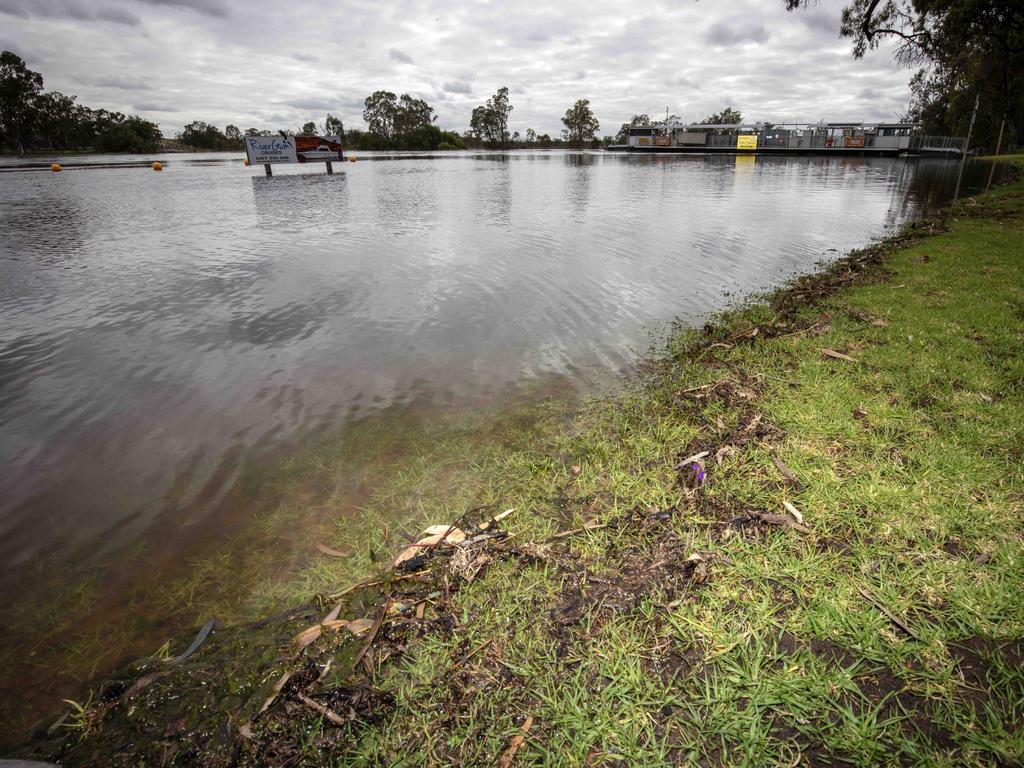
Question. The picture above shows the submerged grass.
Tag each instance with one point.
(686, 619)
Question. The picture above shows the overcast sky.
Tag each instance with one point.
(273, 64)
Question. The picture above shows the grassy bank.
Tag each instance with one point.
(653, 600)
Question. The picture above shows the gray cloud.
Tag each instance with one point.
(312, 102)
(148, 107)
(119, 82)
(27, 54)
(208, 7)
(237, 61)
(401, 56)
(456, 86)
(77, 10)
(727, 33)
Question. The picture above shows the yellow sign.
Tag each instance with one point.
(746, 142)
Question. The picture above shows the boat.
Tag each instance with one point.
(823, 138)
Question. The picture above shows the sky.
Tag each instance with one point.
(272, 64)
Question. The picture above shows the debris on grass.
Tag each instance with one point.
(867, 595)
(329, 551)
(505, 761)
(837, 355)
(796, 513)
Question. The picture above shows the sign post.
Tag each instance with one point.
(746, 141)
(267, 150)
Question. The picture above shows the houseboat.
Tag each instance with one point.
(876, 139)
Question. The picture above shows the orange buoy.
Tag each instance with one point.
(157, 166)
(56, 168)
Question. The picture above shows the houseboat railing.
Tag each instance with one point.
(955, 143)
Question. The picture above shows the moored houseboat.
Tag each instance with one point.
(879, 139)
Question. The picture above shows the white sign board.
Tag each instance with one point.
(270, 149)
(293, 149)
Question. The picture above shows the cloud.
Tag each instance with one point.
(77, 10)
(243, 62)
(208, 7)
(312, 102)
(148, 107)
(682, 82)
(457, 86)
(27, 54)
(120, 82)
(729, 33)
(401, 56)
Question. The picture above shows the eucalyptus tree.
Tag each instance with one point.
(489, 122)
(580, 124)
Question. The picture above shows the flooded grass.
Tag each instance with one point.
(653, 600)
(355, 493)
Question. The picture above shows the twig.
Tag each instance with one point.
(496, 519)
(328, 713)
(698, 389)
(785, 471)
(373, 633)
(362, 584)
(888, 614)
(574, 531)
(690, 459)
(797, 333)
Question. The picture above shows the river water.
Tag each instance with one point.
(160, 331)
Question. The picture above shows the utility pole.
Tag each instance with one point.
(967, 144)
(999, 146)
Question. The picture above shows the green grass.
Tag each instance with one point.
(910, 469)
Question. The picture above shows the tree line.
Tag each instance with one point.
(405, 122)
(34, 119)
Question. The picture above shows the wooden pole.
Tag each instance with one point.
(266, 167)
(999, 146)
(967, 145)
(330, 169)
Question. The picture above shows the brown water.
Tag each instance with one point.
(160, 332)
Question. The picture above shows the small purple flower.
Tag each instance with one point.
(698, 472)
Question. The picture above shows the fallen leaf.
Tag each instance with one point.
(690, 459)
(276, 690)
(332, 552)
(454, 535)
(859, 413)
(333, 614)
(785, 471)
(312, 634)
(505, 761)
(837, 355)
(432, 537)
(308, 636)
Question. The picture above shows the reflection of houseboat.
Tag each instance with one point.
(791, 138)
